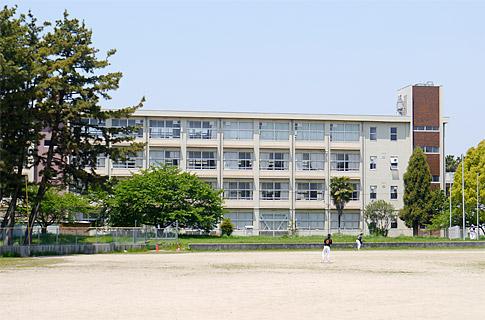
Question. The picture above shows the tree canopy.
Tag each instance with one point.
(379, 215)
(165, 195)
(341, 191)
(417, 192)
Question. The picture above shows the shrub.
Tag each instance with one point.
(226, 226)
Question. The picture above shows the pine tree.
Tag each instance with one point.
(417, 192)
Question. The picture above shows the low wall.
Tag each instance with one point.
(64, 249)
(341, 245)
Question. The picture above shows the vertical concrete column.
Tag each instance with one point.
(256, 171)
(328, 176)
(183, 144)
(291, 167)
(146, 135)
(362, 171)
(220, 153)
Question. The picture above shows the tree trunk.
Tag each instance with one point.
(415, 229)
(43, 229)
(339, 219)
(12, 207)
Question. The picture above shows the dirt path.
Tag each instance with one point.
(406, 284)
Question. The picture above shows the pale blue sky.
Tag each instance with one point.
(345, 57)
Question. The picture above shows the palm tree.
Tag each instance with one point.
(341, 191)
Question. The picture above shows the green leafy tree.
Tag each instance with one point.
(19, 43)
(70, 90)
(451, 163)
(163, 196)
(474, 164)
(417, 192)
(341, 191)
(379, 215)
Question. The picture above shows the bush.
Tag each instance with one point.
(226, 227)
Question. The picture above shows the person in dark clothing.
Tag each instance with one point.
(359, 241)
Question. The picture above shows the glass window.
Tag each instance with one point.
(394, 163)
(274, 220)
(393, 192)
(93, 131)
(164, 157)
(310, 160)
(274, 190)
(274, 160)
(310, 220)
(165, 129)
(240, 219)
(101, 161)
(274, 130)
(356, 192)
(135, 161)
(310, 190)
(344, 132)
(238, 190)
(373, 163)
(426, 128)
(123, 123)
(435, 178)
(212, 183)
(347, 220)
(238, 160)
(373, 133)
(202, 130)
(373, 192)
(238, 130)
(393, 134)
(202, 160)
(430, 149)
(345, 161)
(309, 131)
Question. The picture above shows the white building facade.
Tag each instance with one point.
(275, 169)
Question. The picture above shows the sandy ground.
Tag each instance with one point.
(405, 284)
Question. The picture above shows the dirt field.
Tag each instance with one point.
(403, 284)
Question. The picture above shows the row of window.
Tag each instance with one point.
(243, 160)
(241, 130)
(305, 220)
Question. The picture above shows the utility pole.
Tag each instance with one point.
(463, 194)
(478, 213)
(449, 228)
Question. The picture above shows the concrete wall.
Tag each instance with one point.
(54, 249)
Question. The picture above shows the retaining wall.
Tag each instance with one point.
(64, 249)
(342, 245)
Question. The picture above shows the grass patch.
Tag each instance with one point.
(19, 263)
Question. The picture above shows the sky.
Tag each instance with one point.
(328, 57)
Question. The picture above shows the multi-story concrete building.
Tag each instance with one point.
(275, 168)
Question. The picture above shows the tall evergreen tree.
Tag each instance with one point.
(341, 191)
(417, 192)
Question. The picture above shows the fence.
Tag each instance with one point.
(86, 235)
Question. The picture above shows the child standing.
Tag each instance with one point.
(326, 248)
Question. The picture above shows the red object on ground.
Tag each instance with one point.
(156, 247)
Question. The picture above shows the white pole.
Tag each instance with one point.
(478, 215)
(463, 194)
(449, 228)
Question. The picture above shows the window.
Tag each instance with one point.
(394, 224)
(309, 190)
(202, 130)
(94, 131)
(274, 190)
(348, 220)
(393, 192)
(373, 163)
(435, 178)
(356, 193)
(212, 183)
(426, 128)
(274, 160)
(47, 143)
(345, 161)
(164, 157)
(310, 220)
(373, 133)
(240, 219)
(238, 190)
(202, 160)
(394, 163)
(238, 130)
(309, 131)
(123, 123)
(344, 132)
(238, 160)
(101, 161)
(165, 129)
(130, 162)
(373, 192)
(274, 221)
(274, 130)
(430, 149)
(310, 161)
(393, 134)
